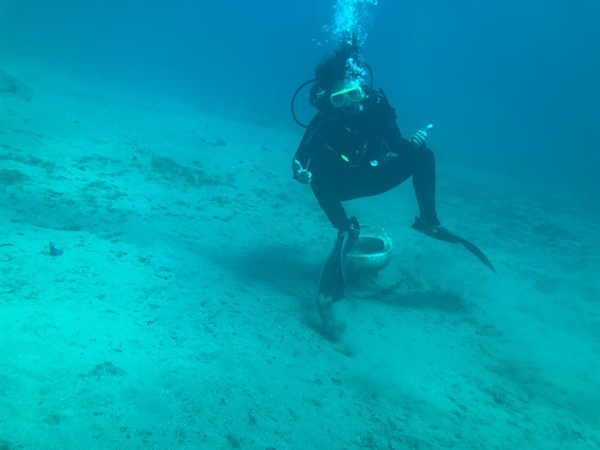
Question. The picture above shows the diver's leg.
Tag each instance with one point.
(332, 282)
(418, 163)
(427, 222)
(424, 185)
(333, 277)
(326, 188)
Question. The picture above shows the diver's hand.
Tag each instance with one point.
(300, 174)
(418, 139)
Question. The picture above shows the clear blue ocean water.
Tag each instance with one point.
(514, 84)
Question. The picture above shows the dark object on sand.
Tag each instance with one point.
(12, 86)
(55, 251)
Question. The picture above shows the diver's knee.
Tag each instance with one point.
(426, 155)
(427, 152)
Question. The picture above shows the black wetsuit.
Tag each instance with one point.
(360, 154)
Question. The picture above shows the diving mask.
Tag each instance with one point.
(347, 95)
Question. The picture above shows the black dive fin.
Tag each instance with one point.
(477, 252)
(443, 234)
(332, 284)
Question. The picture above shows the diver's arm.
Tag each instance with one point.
(419, 139)
(386, 117)
(394, 138)
(401, 145)
(305, 150)
(301, 174)
(391, 132)
(300, 164)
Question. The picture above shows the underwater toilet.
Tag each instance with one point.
(371, 253)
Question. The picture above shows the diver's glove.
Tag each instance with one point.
(300, 174)
(418, 139)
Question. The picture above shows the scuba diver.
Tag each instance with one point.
(353, 148)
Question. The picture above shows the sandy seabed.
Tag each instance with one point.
(181, 312)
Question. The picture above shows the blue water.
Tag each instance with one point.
(512, 86)
(151, 141)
